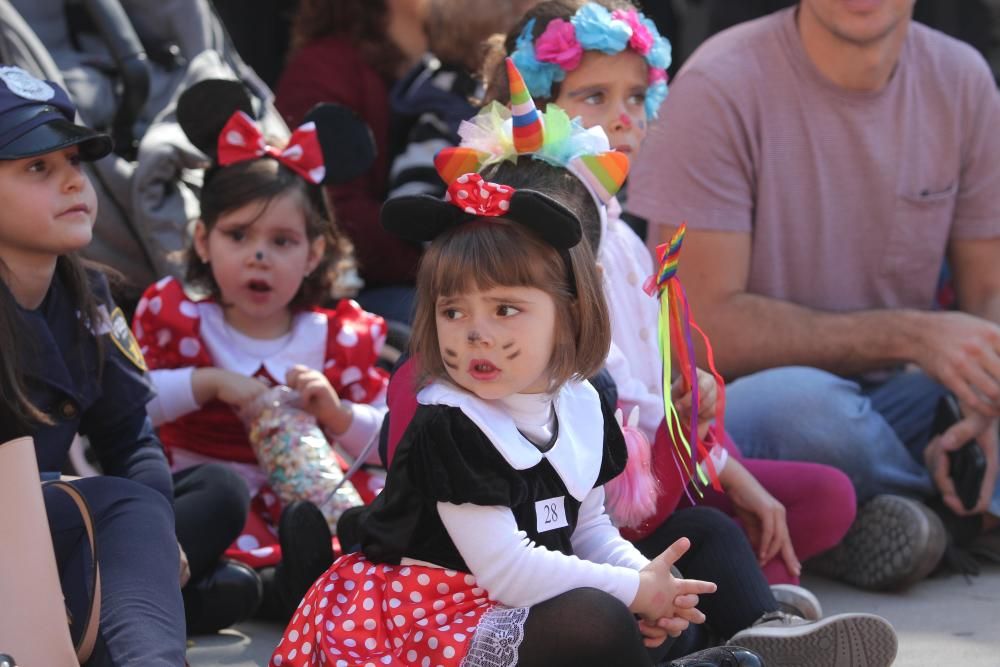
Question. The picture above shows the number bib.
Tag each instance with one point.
(550, 514)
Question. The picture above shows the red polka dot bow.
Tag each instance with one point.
(241, 140)
(474, 195)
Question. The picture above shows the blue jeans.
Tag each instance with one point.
(875, 433)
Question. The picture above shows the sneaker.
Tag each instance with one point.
(797, 601)
(894, 542)
(719, 656)
(844, 640)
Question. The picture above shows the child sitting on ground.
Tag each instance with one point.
(264, 250)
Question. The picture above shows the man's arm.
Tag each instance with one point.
(751, 333)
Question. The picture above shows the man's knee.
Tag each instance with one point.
(796, 412)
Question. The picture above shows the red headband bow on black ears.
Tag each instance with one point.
(423, 218)
(332, 146)
(241, 140)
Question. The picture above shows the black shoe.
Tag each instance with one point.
(719, 656)
(306, 552)
(227, 595)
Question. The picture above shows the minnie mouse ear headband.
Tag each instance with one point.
(423, 217)
(545, 59)
(497, 134)
(332, 146)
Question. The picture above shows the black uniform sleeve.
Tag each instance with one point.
(450, 460)
(615, 452)
(116, 424)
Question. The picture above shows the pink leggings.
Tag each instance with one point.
(819, 504)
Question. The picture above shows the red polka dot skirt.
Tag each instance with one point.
(359, 614)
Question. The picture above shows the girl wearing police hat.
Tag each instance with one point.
(70, 365)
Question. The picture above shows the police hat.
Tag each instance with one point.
(37, 116)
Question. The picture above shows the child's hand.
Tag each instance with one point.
(707, 396)
(319, 398)
(654, 634)
(661, 594)
(230, 388)
(762, 514)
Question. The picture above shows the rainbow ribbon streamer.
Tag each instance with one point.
(675, 325)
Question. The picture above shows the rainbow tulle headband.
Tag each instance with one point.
(498, 133)
(559, 49)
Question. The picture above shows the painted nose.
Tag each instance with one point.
(477, 335)
(624, 121)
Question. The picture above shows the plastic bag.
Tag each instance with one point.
(299, 461)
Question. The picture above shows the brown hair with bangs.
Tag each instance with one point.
(484, 253)
(264, 180)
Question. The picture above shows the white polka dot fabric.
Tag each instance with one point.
(360, 614)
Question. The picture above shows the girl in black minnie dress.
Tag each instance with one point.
(490, 544)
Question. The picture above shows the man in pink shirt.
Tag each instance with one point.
(827, 159)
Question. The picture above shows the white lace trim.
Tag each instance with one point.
(497, 638)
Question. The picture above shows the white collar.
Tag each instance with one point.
(578, 451)
(306, 344)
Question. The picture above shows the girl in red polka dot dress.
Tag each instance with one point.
(489, 545)
(264, 253)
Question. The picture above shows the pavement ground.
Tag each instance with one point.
(944, 621)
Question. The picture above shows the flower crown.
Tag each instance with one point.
(559, 49)
(498, 133)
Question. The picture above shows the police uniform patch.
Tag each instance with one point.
(24, 85)
(121, 336)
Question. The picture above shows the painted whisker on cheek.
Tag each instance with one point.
(508, 346)
(452, 366)
(450, 353)
(641, 125)
(511, 357)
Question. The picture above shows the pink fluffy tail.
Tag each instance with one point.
(630, 498)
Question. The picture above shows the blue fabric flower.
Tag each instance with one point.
(659, 56)
(596, 30)
(655, 95)
(538, 76)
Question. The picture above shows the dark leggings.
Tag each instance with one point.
(210, 505)
(720, 552)
(584, 627)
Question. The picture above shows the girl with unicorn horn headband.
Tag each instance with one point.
(604, 62)
(489, 544)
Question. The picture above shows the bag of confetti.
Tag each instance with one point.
(299, 461)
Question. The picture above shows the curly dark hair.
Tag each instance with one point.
(364, 22)
(231, 187)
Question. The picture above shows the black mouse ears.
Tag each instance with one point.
(332, 146)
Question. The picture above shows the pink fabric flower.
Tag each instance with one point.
(558, 45)
(656, 75)
(641, 40)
